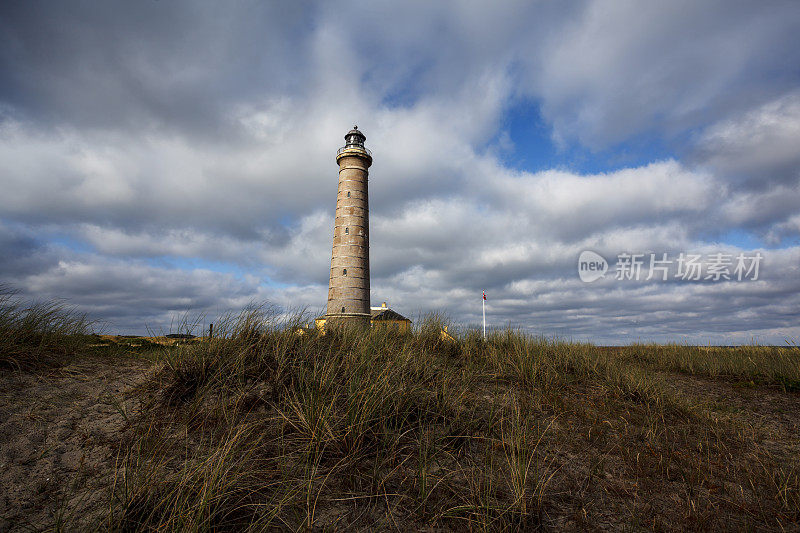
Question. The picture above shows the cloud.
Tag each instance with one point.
(159, 157)
(22, 253)
(758, 146)
(622, 68)
(174, 66)
(134, 296)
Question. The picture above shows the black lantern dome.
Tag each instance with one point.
(354, 137)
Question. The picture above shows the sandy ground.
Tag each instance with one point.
(772, 412)
(59, 435)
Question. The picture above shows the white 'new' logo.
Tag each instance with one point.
(591, 266)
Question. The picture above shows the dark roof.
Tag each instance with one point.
(356, 131)
(384, 313)
(377, 314)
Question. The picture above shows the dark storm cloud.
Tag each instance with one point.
(22, 253)
(170, 65)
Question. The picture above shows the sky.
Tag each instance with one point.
(162, 159)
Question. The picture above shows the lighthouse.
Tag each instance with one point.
(348, 288)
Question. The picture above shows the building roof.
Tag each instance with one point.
(384, 313)
(378, 313)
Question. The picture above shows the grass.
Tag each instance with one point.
(770, 365)
(51, 334)
(261, 428)
(41, 334)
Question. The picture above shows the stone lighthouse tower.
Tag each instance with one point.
(348, 290)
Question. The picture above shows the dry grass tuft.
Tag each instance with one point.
(39, 334)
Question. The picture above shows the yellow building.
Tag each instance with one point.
(382, 317)
(386, 318)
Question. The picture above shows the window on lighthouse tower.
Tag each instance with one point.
(344, 272)
(348, 194)
(347, 231)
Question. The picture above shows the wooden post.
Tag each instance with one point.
(210, 331)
